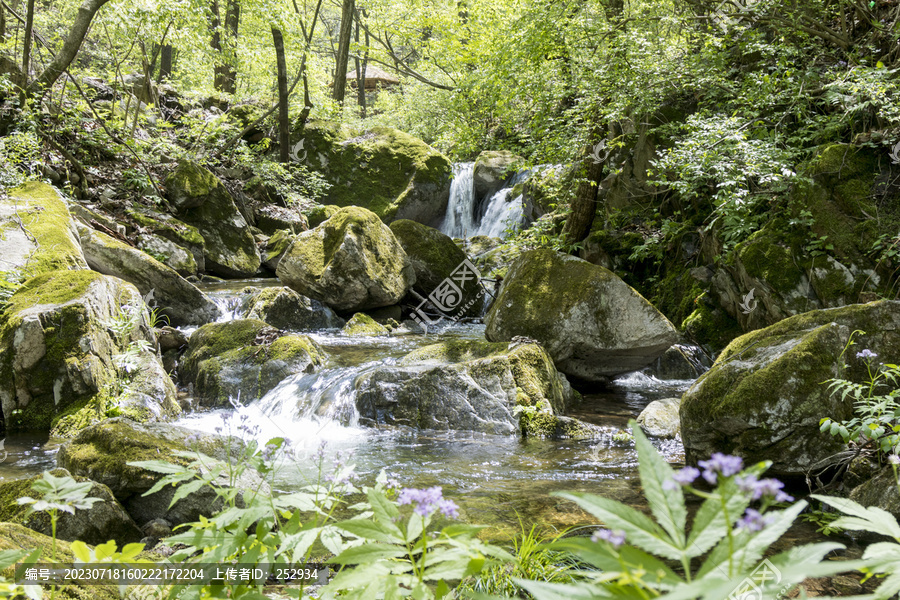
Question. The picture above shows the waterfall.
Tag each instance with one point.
(496, 214)
(459, 221)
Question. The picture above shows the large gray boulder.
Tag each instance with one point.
(102, 453)
(104, 521)
(244, 359)
(202, 201)
(178, 299)
(350, 262)
(164, 225)
(176, 257)
(592, 323)
(37, 233)
(283, 308)
(434, 257)
(764, 396)
(470, 386)
(70, 347)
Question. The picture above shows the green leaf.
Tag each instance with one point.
(667, 505)
(542, 590)
(639, 530)
(709, 524)
(369, 530)
(367, 553)
(186, 489)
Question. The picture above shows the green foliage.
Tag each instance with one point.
(876, 404)
(20, 159)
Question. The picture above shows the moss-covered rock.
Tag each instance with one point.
(821, 253)
(434, 257)
(37, 233)
(766, 393)
(102, 453)
(470, 385)
(389, 172)
(63, 343)
(104, 521)
(350, 262)
(321, 213)
(179, 259)
(492, 168)
(168, 227)
(271, 218)
(364, 325)
(179, 300)
(591, 322)
(283, 308)
(205, 203)
(277, 244)
(879, 491)
(244, 359)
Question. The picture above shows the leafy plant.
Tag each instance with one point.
(876, 405)
(718, 554)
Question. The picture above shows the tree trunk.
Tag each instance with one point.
(232, 20)
(283, 122)
(343, 52)
(69, 50)
(165, 63)
(361, 67)
(584, 204)
(29, 36)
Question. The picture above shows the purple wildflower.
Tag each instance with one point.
(758, 488)
(685, 476)
(753, 520)
(428, 501)
(614, 538)
(893, 459)
(866, 354)
(320, 452)
(725, 464)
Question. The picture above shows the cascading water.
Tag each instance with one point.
(467, 217)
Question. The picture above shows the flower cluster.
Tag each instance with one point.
(866, 354)
(428, 501)
(720, 464)
(759, 488)
(753, 520)
(614, 538)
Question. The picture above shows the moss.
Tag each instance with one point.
(455, 351)
(292, 347)
(321, 213)
(278, 243)
(191, 180)
(766, 258)
(380, 165)
(214, 339)
(363, 324)
(56, 287)
(710, 327)
(45, 216)
(169, 228)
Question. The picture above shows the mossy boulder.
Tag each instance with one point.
(434, 257)
(244, 359)
(104, 521)
(179, 300)
(63, 340)
(271, 218)
(364, 325)
(391, 173)
(102, 453)
(168, 227)
(350, 262)
(592, 323)
(206, 204)
(765, 395)
(321, 213)
(468, 385)
(492, 168)
(277, 244)
(283, 308)
(879, 491)
(37, 233)
(821, 253)
(179, 259)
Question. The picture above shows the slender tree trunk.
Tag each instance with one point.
(165, 63)
(584, 204)
(29, 36)
(343, 51)
(283, 119)
(361, 67)
(2, 23)
(232, 20)
(69, 49)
